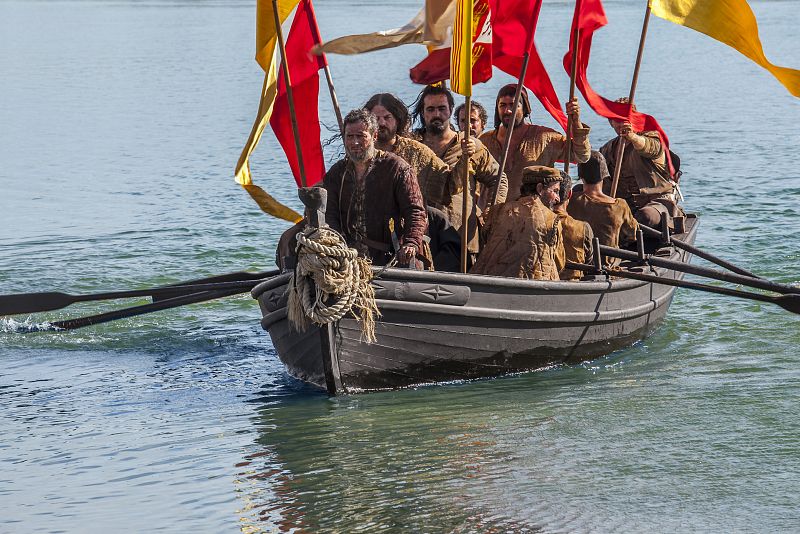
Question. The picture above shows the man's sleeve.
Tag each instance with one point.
(627, 232)
(652, 146)
(486, 169)
(438, 178)
(332, 182)
(588, 237)
(560, 254)
(581, 149)
(411, 206)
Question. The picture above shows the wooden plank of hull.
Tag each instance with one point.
(507, 326)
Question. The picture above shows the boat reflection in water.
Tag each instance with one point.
(432, 459)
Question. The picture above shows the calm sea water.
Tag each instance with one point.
(120, 126)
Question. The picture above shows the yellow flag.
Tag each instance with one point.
(266, 41)
(731, 22)
(461, 51)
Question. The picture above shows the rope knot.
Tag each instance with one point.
(329, 281)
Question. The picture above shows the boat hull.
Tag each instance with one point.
(437, 327)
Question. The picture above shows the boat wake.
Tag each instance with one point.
(12, 326)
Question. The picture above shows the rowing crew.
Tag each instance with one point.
(399, 193)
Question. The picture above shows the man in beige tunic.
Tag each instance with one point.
(610, 218)
(644, 181)
(531, 144)
(393, 136)
(433, 110)
(524, 236)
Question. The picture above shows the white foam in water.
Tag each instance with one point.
(12, 326)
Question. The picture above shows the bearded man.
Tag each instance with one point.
(433, 110)
(532, 144)
(393, 136)
(370, 187)
(524, 238)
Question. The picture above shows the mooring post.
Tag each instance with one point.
(315, 200)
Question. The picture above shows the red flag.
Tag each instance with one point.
(589, 16)
(436, 67)
(304, 73)
(514, 25)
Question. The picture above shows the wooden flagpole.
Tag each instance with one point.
(289, 96)
(622, 142)
(334, 100)
(465, 185)
(510, 129)
(573, 71)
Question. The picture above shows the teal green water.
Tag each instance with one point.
(119, 130)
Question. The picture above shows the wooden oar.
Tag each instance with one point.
(758, 283)
(80, 322)
(230, 277)
(700, 253)
(789, 302)
(48, 301)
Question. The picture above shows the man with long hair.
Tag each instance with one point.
(393, 136)
(433, 110)
(531, 144)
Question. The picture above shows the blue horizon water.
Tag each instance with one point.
(121, 125)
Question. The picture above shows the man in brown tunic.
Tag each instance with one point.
(644, 181)
(433, 110)
(524, 236)
(531, 144)
(368, 188)
(577, 234)
(610, 218)
(393, 136)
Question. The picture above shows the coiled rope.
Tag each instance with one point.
(329, 281)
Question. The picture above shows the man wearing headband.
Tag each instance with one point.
(523, 236)
(531, 144)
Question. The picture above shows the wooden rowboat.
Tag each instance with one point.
(437, 327)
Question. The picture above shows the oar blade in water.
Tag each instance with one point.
(789, 303)
(33, 302)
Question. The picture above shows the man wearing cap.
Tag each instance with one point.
(644, 180)
(577, 234)
(531, 144)
(610, 218)
(393, 136)
(433, 109)
(524, 236)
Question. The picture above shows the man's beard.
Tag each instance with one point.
(436, 127)
(385, 134)
(507, 121)
(362, 155)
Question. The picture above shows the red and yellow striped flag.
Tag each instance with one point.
(461, 52)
